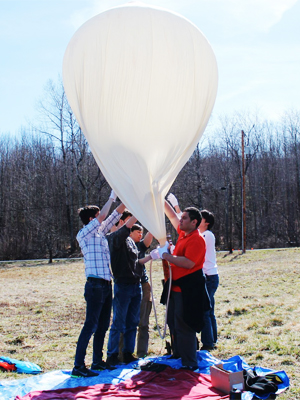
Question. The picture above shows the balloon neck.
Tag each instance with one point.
(162, 242)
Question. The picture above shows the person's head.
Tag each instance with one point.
(190, 219)
(136, 233)
(207, 221)
(124, 218)
(88, 213)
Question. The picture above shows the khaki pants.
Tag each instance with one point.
(143, 328)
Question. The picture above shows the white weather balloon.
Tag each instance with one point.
(142, 83)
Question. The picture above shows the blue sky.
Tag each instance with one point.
(256, 42)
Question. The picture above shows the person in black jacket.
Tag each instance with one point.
(127, 270)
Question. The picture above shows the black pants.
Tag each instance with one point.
(184, 338)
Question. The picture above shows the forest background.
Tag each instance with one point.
(48, 172)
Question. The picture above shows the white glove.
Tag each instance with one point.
(164, 249)
(179, 214)
(172, 248)
(113, 195)
(154, 254)
(172, 199)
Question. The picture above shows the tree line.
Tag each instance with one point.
(49, 172)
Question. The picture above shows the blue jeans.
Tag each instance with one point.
(126, 315)
(98, 297)
(209, 333)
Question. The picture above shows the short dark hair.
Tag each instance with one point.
(136, 227)
(209, 217)
(87, 212)
(194, 213)
(125, 215)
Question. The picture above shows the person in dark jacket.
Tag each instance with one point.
(127, 271)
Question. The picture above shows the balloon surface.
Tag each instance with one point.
(142, 83)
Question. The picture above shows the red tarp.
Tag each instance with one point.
(170, 384)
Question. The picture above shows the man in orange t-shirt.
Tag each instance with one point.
(186, 265)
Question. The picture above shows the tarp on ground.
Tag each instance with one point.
(60, 380)
(170, 384)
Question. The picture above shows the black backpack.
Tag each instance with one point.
(259, 385)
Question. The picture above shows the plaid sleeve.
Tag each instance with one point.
(110, 222)
(88, 230)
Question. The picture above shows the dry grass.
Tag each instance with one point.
(257, 305)
(258, 311)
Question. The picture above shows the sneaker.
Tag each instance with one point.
(128, 358)
(113, 359)
(82, 372)
(102, 365)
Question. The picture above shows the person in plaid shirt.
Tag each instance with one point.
(98, 288)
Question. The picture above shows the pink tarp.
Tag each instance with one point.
(170, 384)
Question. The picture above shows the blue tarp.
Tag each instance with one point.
(23, 367)
(9, 389)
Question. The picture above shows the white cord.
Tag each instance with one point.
(167, 304)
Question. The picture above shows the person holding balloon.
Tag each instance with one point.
(173, 200)
(188, 300)
(143, 245)
(98, 288)
(209, 333)
(127, 270)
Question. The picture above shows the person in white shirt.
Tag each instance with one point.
(209, 334)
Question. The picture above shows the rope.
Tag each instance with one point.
(167, 304)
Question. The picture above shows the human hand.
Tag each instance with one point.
(113, 196)
(164, 249)
(154, 254)
(172, 199)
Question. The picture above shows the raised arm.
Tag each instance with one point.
(121, 208)
(117, 238)
(105, 209)
(132, 220)
(148, 239)
(171, 214)
(174, 202)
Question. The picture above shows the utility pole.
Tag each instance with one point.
(243, 196)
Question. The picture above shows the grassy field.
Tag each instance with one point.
(257, 306)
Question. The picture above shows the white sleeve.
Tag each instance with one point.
(210, 263)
